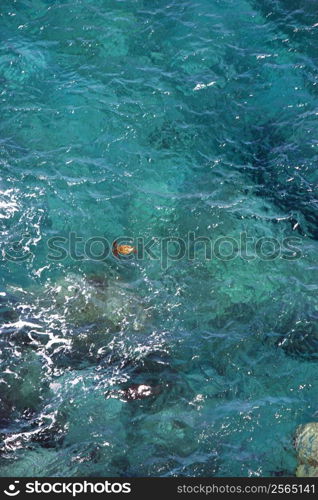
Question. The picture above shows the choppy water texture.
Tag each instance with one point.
(153, 118)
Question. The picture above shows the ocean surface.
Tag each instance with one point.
(151, 120)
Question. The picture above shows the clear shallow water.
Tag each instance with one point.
(154, 119)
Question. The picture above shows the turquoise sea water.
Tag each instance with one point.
(153, 119)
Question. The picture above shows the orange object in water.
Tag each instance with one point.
(123, 249)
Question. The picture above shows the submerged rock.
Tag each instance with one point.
(301, 340)
(18, 63)
(306, 444)
(85, 301)
(305, 470)
(135, 392)
(23, 385)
